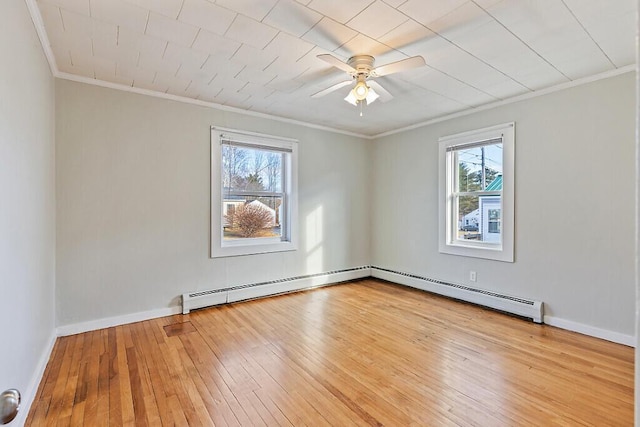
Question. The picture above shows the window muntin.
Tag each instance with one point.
(476, 193)
(253, 193)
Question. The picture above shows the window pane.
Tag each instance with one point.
(251, 169)
(479, 218)
(468, 218)
(250, 217)
(469, 165)
(494, 220)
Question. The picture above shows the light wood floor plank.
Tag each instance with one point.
(364, 353)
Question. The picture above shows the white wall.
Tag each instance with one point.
(133, 203)
(637, 224)
(27, 206)
(575, 195)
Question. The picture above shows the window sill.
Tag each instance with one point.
(246, 248)
(495, 253)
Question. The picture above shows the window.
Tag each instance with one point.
(477, 193)
(253, 193)
(494, 221)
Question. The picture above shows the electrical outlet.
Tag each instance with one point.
(472, 276)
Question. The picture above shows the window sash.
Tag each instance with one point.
(452, 177)
(235, 141)
(454, 209)
(285, 232)
(285, 158)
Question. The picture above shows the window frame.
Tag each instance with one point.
(448, 243)
(220, 248)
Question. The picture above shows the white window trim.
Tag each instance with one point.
(220, 248)
(448, 225)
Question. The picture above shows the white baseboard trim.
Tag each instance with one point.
(240, 294)
(592, 331)
(232, 295)
(93, 325)
(29, 394)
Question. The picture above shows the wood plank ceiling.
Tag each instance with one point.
(260, 55)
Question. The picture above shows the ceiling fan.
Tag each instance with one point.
(361, 69)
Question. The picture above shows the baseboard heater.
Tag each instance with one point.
(201, 299)
(510, 304)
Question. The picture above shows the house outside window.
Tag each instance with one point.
(477, 193)
(493, 221)
(253, 193)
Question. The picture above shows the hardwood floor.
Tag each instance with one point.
(361, 353)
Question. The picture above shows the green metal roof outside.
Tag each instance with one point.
(496, 184)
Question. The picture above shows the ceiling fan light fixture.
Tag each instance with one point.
(351, 99)
(371, 96)
(361, 90)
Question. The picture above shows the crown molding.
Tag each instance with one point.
(542, 92)
(38, 23)
(573, 83)
(185, 100)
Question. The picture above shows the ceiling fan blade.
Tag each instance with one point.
(384, 94)
(394, 67)
(331, 89)
(332, 60)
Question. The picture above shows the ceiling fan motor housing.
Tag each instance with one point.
(363, 64)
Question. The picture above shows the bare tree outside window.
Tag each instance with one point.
(273, 169)
(235, 161)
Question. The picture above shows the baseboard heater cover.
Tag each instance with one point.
(510, 304)
(201, 299)
(507, 303)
